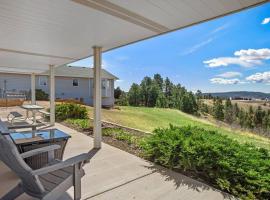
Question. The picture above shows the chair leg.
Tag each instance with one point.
(77, 182)
(14, 193)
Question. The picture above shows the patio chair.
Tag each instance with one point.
(47, 183)
(15, 116)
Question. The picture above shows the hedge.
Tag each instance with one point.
(70, 110)
(240, 169)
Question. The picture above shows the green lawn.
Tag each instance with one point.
(148, 119)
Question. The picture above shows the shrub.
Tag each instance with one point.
(41, 95)
(70, 110)
(240, 169)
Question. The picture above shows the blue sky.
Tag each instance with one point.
(227, 54)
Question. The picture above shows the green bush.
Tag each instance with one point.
(70, 110)
(240, 169)
(41, 95)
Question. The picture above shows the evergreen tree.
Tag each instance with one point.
(161, 101)
(123, 100)
(117, 93)
(250, 118)
(258, 117)
(188, 103)
(154, 92)
(266, 121)
(159, 81)
(242, 118)
(236, 111)
(168, 86)
(145, 90)
(228, 112)
(134, 95)
(199, 94)
(218, 109)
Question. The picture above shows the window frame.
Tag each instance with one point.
(77, 82)
(40, 81)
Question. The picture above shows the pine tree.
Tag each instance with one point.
(258, 117)
(159, 81)
(123, 99)
(236, 111)
(161, 101)
(266, 121)
(242, 118)
(250, 118)
(117, 93)
(218, 109)
(228, 112)
(134, 95)
(145, 90)
(168, 86)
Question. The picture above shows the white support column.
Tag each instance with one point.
(52, 95)
(33, 89)
(97, 97)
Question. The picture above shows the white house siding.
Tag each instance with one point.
(64, 88)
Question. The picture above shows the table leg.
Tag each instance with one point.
(34, 117)
(27, 114)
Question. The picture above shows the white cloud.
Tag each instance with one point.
(230, 74)
(253, 54)
(259, 77)
(223, 81)
(225, 61)
(266, 20)
(244, 58)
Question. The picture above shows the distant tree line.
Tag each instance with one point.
(257, 120)
(157, 92)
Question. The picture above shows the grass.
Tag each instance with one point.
(148, 119)
(80, 123)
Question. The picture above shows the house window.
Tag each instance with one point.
(106, 88)
(75, 82)
(43, 81)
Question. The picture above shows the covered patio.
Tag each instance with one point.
(41, 35)
(115, 174)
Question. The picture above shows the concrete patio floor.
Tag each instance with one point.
(115, 174)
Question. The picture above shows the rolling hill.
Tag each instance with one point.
(241, 94)
(148, 119)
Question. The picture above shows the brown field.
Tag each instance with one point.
(245, 104)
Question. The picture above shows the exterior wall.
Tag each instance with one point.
(64, 88)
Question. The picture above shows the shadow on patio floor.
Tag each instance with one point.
(180, 180)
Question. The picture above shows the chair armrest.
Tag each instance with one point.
(40, 150)
(69, 162)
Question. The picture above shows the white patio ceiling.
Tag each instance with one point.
(37, 33)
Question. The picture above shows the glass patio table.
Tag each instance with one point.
(29, 140)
